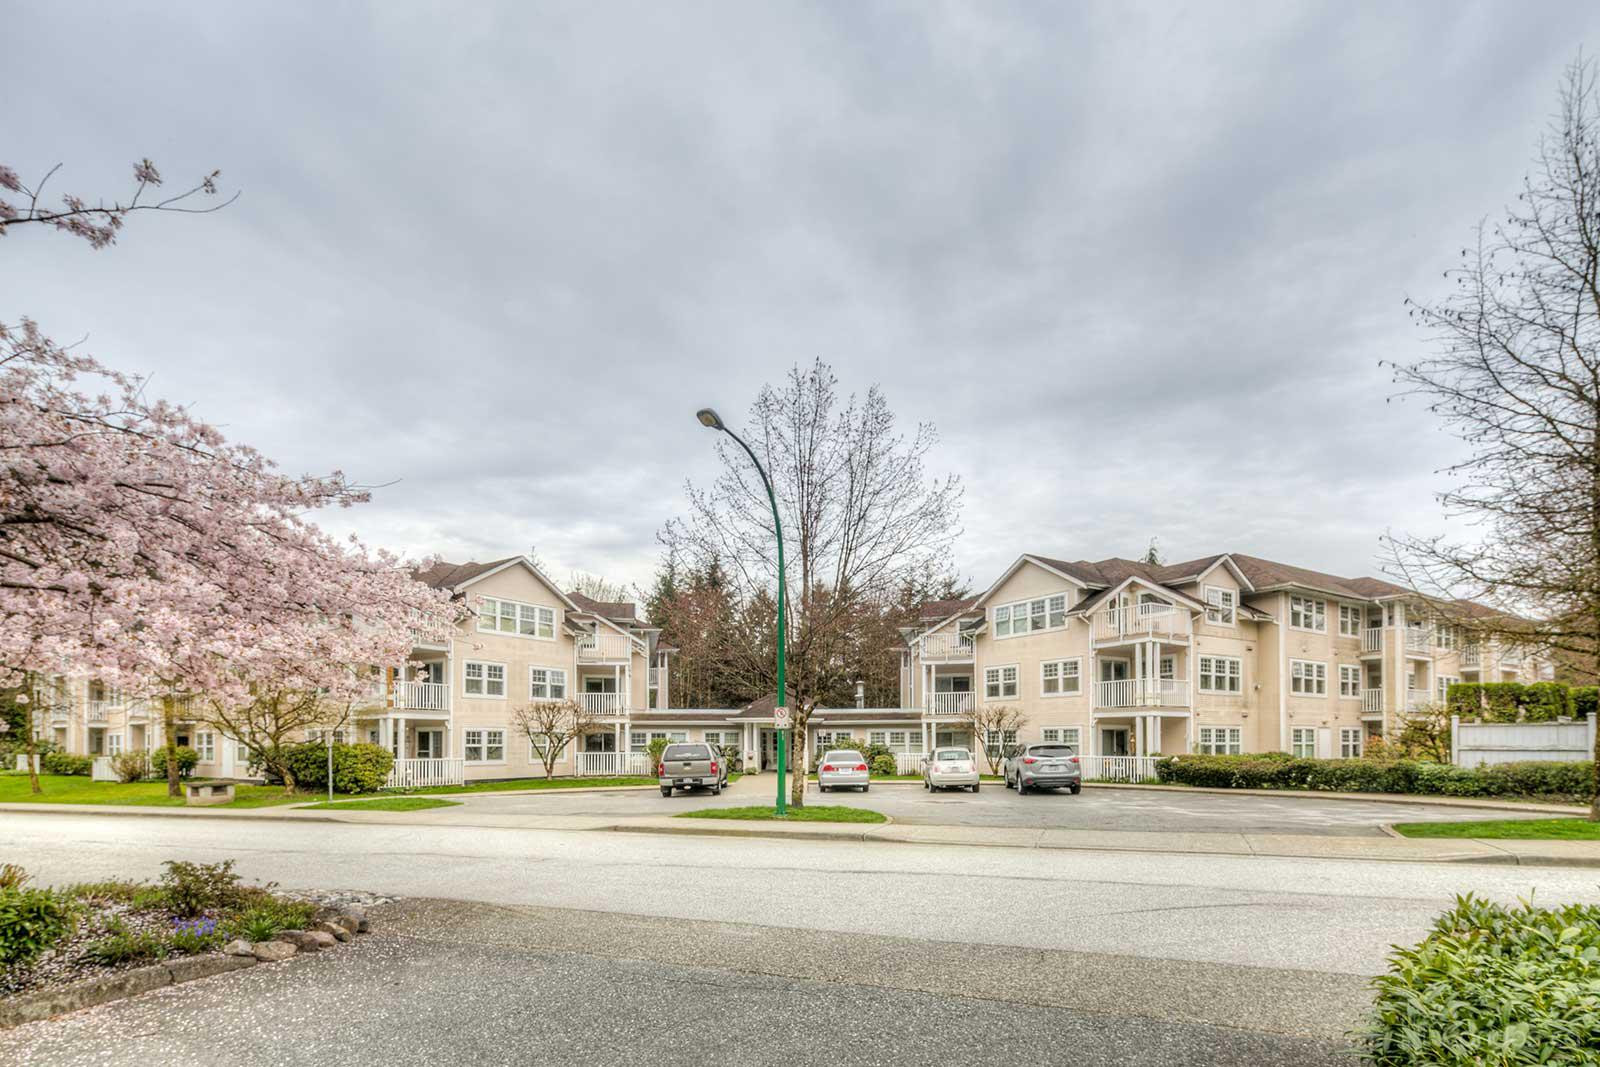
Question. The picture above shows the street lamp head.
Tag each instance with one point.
(709, 419)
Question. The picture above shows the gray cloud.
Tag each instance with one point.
(1139, 265)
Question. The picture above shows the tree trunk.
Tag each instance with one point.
(30, 741)
(169, 726)
(797, 773)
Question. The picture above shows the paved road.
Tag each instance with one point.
(1093, 809)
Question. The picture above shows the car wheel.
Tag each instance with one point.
(1077, 789)
(716, 790)
(974, 787)
(822, 788)
(667, 791)
(1022, 788)
(927, 785)
(865, 788)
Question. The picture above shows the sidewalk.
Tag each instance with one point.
(1299, 846)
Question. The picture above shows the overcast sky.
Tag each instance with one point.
(1138, 263)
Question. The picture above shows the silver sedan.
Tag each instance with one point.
(843, 769)
(950, 768)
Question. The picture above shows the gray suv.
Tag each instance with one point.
(1044, 766)
(691, 767)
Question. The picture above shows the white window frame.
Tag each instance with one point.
(1209, 668)
(1065, 674)
(205, 743)
(1442, 686)
(483, 679)
(1222, 606)
(1220, 740)
(1308, 678)
(1308, 613)
(1351, 742)
(1064, 735)
(1003, 673)
(487, 738)
(554, 678)
(114, 744)
(1351, 618)
(1349, 682)
(1049, 612)
(1303, 737)
(534, 622)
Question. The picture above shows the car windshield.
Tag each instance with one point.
(1052, 750)
(686, 752)
(952, 753)
(844, 756)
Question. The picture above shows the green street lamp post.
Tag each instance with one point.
(711, 420)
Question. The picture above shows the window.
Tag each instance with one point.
(205, 743)
(1308, 679)
(998, 742)
(1221, 740)
(1445, 682)
(718, 738)
(113, 744)
(1030, 616)
(1000, 683)
(547, 683)
(1220, 605)
(1167, 667)
(1349, 621)
(1349, 680)
(1060, 677)
(509, 617)
(1307, 613)
(1221, 674)
(483, 679)
(1349, 742)
(1303, 742)
(241, 753)
(484, 746)
(1062, 735)
(878, 737)
(1447, 636)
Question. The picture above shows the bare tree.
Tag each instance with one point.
(998, 719)
(596, 587)
(861, 517)
(269, 724)
(1516, 376)
(552, 725)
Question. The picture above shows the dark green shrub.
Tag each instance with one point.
(192, 889)
(1545, 702)
(884, 766)
(875, 752)
(1492, 985)
(356, 768)
(32, 921)
(1503, 699)
(186, 756)
(656, 746)
(65, 763)
(1585, 699)
(1567, 780)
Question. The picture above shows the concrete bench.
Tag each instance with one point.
(196, 794)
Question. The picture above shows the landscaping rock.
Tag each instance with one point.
(237, 947)
(322, 938)
(300, 939)
(339, 933)
(350, 923)
(359, 914)
(273, 951)
(188, 968)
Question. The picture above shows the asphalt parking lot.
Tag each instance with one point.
(1093, 809)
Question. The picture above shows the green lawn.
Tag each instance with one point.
(810, 813)
(78, 789)
(519, 784)
(384, 804)
(1525, 829)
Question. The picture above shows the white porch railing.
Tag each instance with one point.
(613, 764)
(1142, 693)
(1141, 621)
(602, 705)
(909, 762)
(1372, 702)
(1372, 639)
(1419, 639)
(1118, 768)
(943, 704)
(99, 709)
(947, 647)
(418, 773)
(604, 647)
(1470, 658)
(422, 696)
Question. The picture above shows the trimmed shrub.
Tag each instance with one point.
(1585, 699)
(1545, 702)
(186, 756)
(1572, 781)
(65, 763)
(132, 765)
(33, 921)
(1492, 984)
(356, 768)
(884, 766)
(876, 752)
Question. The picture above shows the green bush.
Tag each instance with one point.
(132, 765)
(121, 945)
(65, 763)
(32, 921)
(1585, 699)
(186, 757)
(356, 768)
(656, 747)
(884, 766)
(1492, 985)
(192, 889)
(1545, 702)
(1273, 771)
(873, 753)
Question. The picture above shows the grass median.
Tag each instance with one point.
(76, 789)
(384, 804)
(520, 785)
(812, 813)
(1506, 829)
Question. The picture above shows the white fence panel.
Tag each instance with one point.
(421, 773)
(1477, 744)
(100, 770)
(612, 764)
(1118, 768)
(22, 762)
(908, 762)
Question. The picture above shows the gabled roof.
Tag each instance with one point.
(618, 610)
(1266, 574)
(1087, 605)
(940, 610)
(457, 576)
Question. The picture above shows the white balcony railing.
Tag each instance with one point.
(1419, 639)
(1142, 693)
(1470, 658)
(420, 773)
(99, 710)
(136, 711)
(1416, 698)
(604, 647)
(1372, 702)
(602, 705)
(1372, 639)
(1137, 621)
(947, 647)
(422, 696)
(612, 764)
(940, 704)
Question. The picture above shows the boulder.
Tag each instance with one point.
(350, 923)
(304, 940)
(273, 951)
(322, 938)
(238, 947)
(339, 933)
(359, 914)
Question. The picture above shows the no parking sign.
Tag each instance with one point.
(780, 718)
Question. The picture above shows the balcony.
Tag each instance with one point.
(1142, 693)
(1372, 702)
(604, 648)
(99, 710)
(602, 705)
(422, 696)
(1141, 622)
(1417, 699)
(942, 705)
(1419, 640)
(1510, 655)
(1372, 639)
(1471, 659)
(945, 647)
(138, 711)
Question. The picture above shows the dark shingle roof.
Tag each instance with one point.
(939, 610)
(444, 575)
(611, 609)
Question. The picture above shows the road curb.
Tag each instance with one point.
(1367, 798)
(92, 992)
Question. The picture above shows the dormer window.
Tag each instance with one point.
(510, 617)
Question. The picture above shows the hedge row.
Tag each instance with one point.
(1516, 701)
(359, 768)
(1278, 770)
